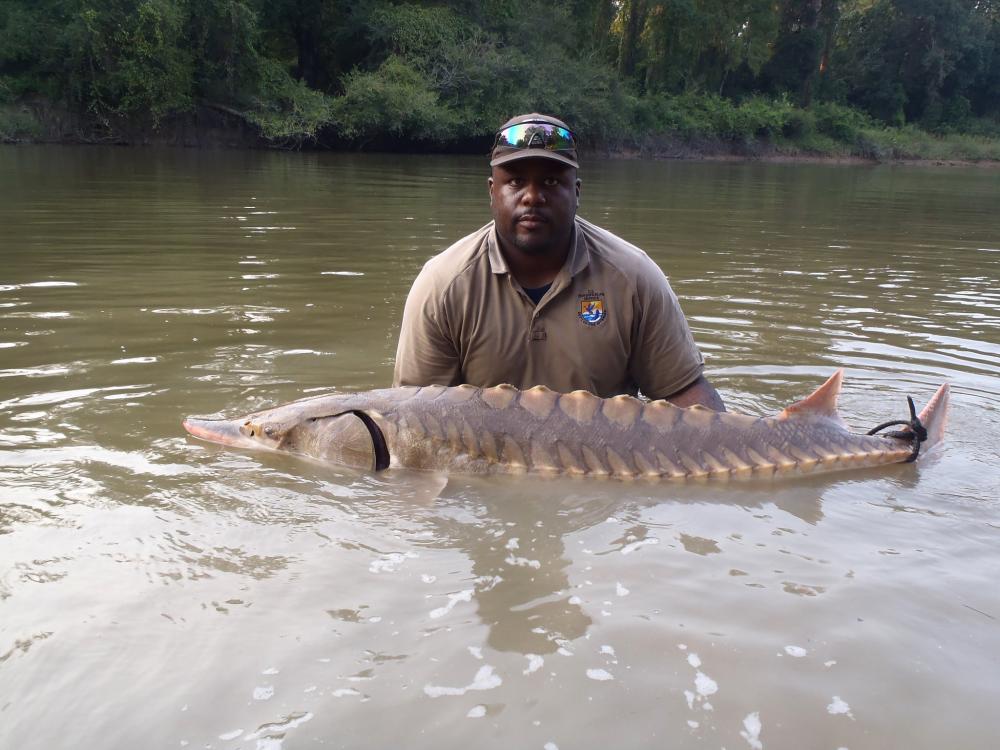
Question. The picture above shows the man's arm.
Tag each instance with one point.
(425, 355)
(700, 391)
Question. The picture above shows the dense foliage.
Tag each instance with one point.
(445, 73)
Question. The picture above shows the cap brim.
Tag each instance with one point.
(533, 153)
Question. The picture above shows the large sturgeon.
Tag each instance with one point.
(506, 430)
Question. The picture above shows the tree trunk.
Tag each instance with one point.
(634, 14)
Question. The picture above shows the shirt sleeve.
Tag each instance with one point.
(426, 353)
(665, 358)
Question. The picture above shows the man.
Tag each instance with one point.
(540, 296)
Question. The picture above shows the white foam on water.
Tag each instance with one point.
(271, 670)
(705, 685)
(477, 712)
(476, 651)
(485, 679)
(342, 692)
(575, 600)
(607, 650)
(563, 651)
(829, 663)
(689, 697)
(512, 543)
(751, 731)
(550, 746)
(535, 663)
(621, 590)
(135, 361)
(42, 284)
(341, 273)
(427, 578)
(682, 646)
(453, 599)
(694, 660)
(523, 562)
(391, 562)
(263, 692)
(839, 706)
(797, 651)
(601, 675)
(693, 724)
(231, 735)
(628, 549)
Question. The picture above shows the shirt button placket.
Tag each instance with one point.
(537, 327)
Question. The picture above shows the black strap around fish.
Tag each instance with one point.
(917, 433)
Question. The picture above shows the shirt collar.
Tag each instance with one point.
(578, 259)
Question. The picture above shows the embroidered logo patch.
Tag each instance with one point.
(592, 311)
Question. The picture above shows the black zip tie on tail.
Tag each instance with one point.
(917, 433)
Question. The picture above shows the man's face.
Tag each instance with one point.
(534, 202)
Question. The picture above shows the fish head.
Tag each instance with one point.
(255, 431)
(349, 438)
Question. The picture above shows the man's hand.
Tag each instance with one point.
(700, 391)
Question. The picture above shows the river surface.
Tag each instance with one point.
(159, 592)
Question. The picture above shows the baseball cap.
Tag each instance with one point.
(532, 136)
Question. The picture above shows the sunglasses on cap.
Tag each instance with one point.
(536, 135)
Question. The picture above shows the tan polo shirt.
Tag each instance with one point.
(609, 324)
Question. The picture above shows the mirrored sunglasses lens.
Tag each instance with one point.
(537, 135)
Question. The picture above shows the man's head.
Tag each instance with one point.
(534, 190)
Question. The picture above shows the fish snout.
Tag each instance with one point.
(223, 431)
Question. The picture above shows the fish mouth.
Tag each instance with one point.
(222, 431)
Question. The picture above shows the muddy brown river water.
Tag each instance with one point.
(159, 592)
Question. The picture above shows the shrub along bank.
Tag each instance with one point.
(877, 79)
(688, 126)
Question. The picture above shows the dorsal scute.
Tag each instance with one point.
(622, 410)
(580, 405)
(458, 394)
(431, 392)
(661, 414)
(540, 401)
(821, 402)
(499, 396)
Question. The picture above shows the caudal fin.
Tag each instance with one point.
(934, 416)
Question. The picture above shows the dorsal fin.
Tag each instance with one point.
(822, 401)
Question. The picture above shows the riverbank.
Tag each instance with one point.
(208, 126)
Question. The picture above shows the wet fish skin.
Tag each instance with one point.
(504, 430)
